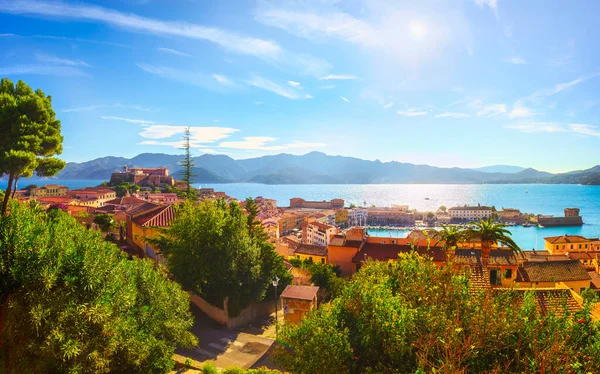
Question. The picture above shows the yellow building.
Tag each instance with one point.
(341, 216)
(309, 252)
(568, 243)
(550, 274)
(145, 222)
(290, 221)
(49, 190)
(271, 227)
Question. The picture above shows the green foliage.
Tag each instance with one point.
(237, 370)
(211, 251)
(105, 221)
(410, 316)
(490, 232)
(123, 188)
(325, 276)
(74, 303)
(30, 134)
(352, 206)
(209, 368)
(451, 236)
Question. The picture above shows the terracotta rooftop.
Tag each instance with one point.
(552, 271)
(385, 252)
(125, 200)
(160, 217)
(567, 239)
(138, 209)
(340, 241)
(321, 225)
(314, 250)
(543, 256)
(300, 292)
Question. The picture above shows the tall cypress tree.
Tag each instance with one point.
(187, 164)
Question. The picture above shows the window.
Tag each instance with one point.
(579, 246)
(508, 273)
(322, 260)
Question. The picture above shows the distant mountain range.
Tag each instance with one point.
(319, 168)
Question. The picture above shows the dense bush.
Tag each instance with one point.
(410, 316)
(71, 302)
(213, 249)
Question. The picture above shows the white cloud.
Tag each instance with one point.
(294, 84)
(280, 90)
(173, 52)
(585, 129)
(452, 115)
(246, 45)
(492, 4)
(516, 60)
(388, 105)
(520, 112)
(223, 79)
(563, 86)
(42, 57)
(532, 127)
(346, 100)
(337, 77)
(198, 135)
(309, 96)
(492, 110)
(260, 143)
(412, 112)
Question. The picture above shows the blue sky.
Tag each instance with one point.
(446, 83)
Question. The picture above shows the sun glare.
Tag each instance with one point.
(417, 29)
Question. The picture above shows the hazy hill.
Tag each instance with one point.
(319, 168)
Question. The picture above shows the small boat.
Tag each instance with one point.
(526, 191)
(426, 198)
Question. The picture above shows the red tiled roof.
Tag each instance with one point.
(548, 300)
(54, 199)
(498, 257)
(125, 200)
(384, 252)
(138, 209)
(340, 241)
(314, 250)
(300, 292)
(161, 217)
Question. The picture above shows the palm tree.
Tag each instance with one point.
(490, 232)
(451, 236)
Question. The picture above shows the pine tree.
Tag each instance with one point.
(187, 164)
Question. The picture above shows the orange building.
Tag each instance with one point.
(342, 249)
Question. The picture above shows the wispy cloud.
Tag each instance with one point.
(42, 57)
(173, 52)
(213, 82)
(492, 110)
(285, 91)
(585, 129)
(327, 87)
(564, 55)
(516, 61)
(563, 86)
(294, 84)
(130, 120)
(532, 126)
(520, 112)
(103, 106)
(223, 79)
(412, 112)
(346, 100)
(337, 77)
(264, 49)
(388, 105)
(309, 96)
(55, 70)
(261, 143)
(452, 115)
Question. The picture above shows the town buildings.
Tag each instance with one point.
(48, 190)
(297, 301)
(395, 215)
(469, 213)
(317, 233)
(93, 196)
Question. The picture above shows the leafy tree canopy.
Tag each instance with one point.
(213, 250)
(30, 134)
(412, 317)
(72, 302)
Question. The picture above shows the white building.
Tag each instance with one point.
(318, 233)
(469, 213)
(357, 217)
